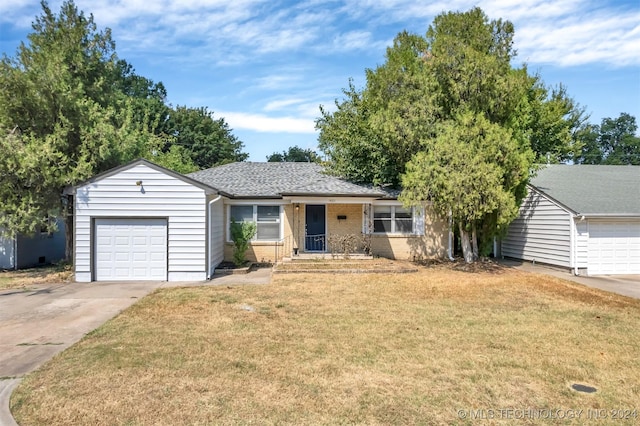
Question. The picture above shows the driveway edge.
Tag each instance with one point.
(6, 388)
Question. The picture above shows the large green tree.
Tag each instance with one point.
(69, 108)
(207, 140)
(452, 103)
(614, 141)
(477, 164)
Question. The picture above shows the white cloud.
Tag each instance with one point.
(353, 40)
(282, 103)
(264, 123)
(224, 33)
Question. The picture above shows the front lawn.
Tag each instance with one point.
(23, 278)
(368, 349)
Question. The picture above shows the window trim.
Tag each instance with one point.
(255, 206)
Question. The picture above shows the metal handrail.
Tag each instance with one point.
(316, 243)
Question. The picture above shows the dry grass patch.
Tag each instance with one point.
(327, 349)
(24, 278)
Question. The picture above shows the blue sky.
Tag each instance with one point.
(266, 65)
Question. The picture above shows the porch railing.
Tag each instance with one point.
(315, 243)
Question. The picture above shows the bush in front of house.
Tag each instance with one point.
(241, 235)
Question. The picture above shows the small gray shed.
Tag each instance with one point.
(584, 217)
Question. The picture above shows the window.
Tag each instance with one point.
(392, 220)
(48, 226)
(267, 219)
(268, 223)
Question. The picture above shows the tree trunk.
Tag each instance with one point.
(474, 242)
(467, 252)
(68, 230)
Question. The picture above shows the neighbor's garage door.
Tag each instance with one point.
(614, 247)
(130, 249)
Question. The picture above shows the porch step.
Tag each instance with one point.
(315, 257)
(360, 265)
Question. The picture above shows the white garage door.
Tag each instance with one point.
(130, 249)
(614, 247)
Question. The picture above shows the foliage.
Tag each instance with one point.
(455, 82)
(473, 170)
(208, 141)
(70, 108)
(344, 244)
(241, 235)
(58, 120)
(177, 158)
(613, 142)
(294, 154)
(352, 147)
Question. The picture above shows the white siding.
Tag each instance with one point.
(159, 196)
(541, 232)
(581, 244)
(217, 234)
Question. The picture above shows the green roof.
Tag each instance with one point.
(591, 189)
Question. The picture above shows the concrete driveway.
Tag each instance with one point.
(626, 285)
(37, 323)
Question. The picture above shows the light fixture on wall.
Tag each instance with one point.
(297, 207)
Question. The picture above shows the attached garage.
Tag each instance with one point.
(614, 247)
(142, 222)
(582, 217)
(130, 249)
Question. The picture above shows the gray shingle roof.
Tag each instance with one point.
(592, 190)
(273, 180)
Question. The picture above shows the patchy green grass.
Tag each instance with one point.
(23, 278)
(345, 349)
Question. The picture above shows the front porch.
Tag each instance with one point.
(349, 227)
(320, 230)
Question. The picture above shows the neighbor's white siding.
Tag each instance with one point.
(541, 232)
(159, 196)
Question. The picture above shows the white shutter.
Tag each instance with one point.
(418, 220)
(367, 211)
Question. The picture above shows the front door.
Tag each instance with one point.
(315, 228)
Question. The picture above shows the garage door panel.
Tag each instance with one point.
(614, 247)
(130, 249)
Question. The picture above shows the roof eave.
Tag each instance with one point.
(608, 215)
(319, 194)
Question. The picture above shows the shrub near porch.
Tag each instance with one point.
(334, 349)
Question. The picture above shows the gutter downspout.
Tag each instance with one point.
(210, 268)
(450, 248)
(574, 243)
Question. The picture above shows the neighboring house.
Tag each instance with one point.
(24, 251)
(582, 217)
(143, 222)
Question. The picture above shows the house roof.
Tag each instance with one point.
(592, 189)
(274, 180)
(207, 188)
